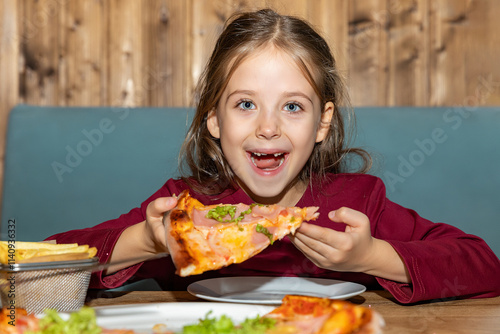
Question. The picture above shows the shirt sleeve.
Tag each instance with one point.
(443, 261)
(105, 235)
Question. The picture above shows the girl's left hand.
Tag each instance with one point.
(340, 251)
(353, 250)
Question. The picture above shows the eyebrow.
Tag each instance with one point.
(286, 94)
(292, 94)
(241, 91)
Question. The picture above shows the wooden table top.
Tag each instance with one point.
(451, 316)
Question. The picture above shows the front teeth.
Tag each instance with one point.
(261, 154)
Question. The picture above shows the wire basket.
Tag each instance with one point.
(60, 285)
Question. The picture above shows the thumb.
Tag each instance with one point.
(161, 205)
(348, 216)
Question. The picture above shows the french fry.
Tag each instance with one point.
(38, 245)
(23, 252)
(57, 257)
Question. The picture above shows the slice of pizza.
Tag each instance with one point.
(315, 315)
(202, 238)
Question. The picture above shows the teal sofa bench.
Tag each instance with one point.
(69, 167)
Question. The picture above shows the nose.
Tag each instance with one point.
(268, 126)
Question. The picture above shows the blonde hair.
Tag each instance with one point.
(208, 171)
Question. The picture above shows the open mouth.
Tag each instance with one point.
(267, 161)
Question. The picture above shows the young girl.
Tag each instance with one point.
(268, 129)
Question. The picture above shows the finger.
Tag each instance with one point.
(315, 235)
(320, 245)
(159, 235)
(306, 244)
(352, 218)
(160, 205)
(310, 252)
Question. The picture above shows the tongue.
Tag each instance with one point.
(267, 161)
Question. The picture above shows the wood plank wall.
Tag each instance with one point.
(151, 52)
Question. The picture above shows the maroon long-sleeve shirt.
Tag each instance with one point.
(442, 260)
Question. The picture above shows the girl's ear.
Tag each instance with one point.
(213, 123)
(324, 124)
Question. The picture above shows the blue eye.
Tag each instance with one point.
(292, 107)
(246, 105)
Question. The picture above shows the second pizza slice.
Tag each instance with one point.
(202, 238)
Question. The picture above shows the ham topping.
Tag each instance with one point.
(242, 213)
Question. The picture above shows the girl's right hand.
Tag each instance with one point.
(144, 239)
(154, 228)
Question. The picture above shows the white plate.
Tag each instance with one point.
(271, 290)
(142, 318)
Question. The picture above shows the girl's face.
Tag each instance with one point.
(268, 120)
